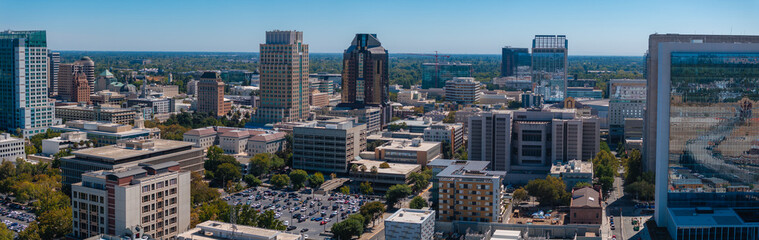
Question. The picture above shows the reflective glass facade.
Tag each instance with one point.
(714, 136)
(549, 66)
(434, 75)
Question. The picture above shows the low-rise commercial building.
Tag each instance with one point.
(237, 140)
(95, 113)
(573, 172)
(467, 191)
(407, 224)
(450, 133)
(415, 151)
(66, 140)
(157, 105)
(369, 116)
(139, 202)
(463, 90)
(585, 207)
(214, 230)
(382, 178)
(11, 148)
(328, 145)
(584, 92)
(128, 154)
(105, 133)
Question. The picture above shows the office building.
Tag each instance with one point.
(489, 138)
(549, 66)
(365, 77)
(414, 151)
(103, 80)
(435, 75)
(382, 178)
(704, 129)
(53, 66)
(284, 78)
(531, 100)
(467, 191)
(573, 172)
(328, 145)
(584, 93)
(25, 104)
(369, 116)
(627, 99)
(131, 153)
(514, 83)
(463, 90)
(211, 95)
(318, 99)
(214, 230)
(585, 207)
(237, 140)
(407, 224)
(192, 87)
(80, 90)
(96, 113)
(323, 85)
(73, 140)
(11, 148)
(157, 105)
(67, 78)
(106, 133)
(513, 60)
(446, 133)
(167, 91)
(138, 202)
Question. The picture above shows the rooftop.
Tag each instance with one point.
(717, 217)
(586, 197)
(573, 166)
(395, 168)
(211, 230)
(119, 151)
(465, 169)
(409, 145)
(405, 215)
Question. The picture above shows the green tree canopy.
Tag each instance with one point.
(252, 180)
(316, 180)
(550, 191)
(418, 203)
(280, 180)
(397, 192)
(298, 178)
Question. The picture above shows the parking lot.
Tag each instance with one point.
(15, 217)
(308, 214)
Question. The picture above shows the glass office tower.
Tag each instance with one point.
(434, 75)
(708, 140)
(549, 66)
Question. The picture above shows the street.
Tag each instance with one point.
(621, 211)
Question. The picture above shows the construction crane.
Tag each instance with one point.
(437, 61)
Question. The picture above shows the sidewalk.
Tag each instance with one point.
(378, 231)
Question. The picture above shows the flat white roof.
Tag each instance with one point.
(405, 215)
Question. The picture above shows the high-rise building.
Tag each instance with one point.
(434, 75)
(365, 76)
(138, 202)
(513, 60)
(211, 95)
(23, 82)
(463, 90)
(704, 92)
(284, 78)
(328, 145)
(53, 64)
(549, 66)
(467, 191)
(81, 88)
(88, 67)
(627, 99)
(408, 223)
(66, 78)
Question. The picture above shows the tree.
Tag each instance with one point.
(333, 175)
(363, 168)
(200, 192)
(316, 180)
(418, 203)
(345, 190)
(607, 183)
(605, 147)
(582, 185)
(420, 181)
(354, 168)
(372, 211)
(298, 178)
(226, 172)
(450, 118)
(252, 180)
(384, 165)
(397, 192)
(366, 188)
(633, 167)
(374, 169)
(550, 191)
(519, 195)
(30, 150)
(260, 164)
(214, 152)
(5, 233)
(280, 180)
(641, 190)
(348, 228)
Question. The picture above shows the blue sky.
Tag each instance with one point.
(480, 27)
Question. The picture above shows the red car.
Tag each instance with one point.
(322, 222)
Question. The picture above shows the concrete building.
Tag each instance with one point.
(157, 105)
(573, 172)
(237, 140)
(11, 148)
(266, 143)
(369, 116)
(435, 75)
(53, 66)
(446, 133)
(66, 140)
(103, 80)
(410, 224)
(416, 125)
(67, 78)
(144, 201)
(585, 207)
(167, 91)
(413, 98)
(214, 230)
(514, 83)
(463, 90)
(531, 100)
(415, 151)
(318, 99)
(211, 95)
(128, 154)
(96, 113)
(192, 87)
(549, 66)
(467, 191)
(284, 97)
(627, 99)
(24, 83)
(365, 76)
(694, 134)
(328, 145)
(383, 178)
(322, 85)
(584, 93)
(104, 133)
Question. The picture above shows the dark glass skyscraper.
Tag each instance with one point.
(365, 76)
(512, 59)
(549, 66)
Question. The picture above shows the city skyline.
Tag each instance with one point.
(593, 29)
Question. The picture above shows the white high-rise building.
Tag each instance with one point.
(408, 224)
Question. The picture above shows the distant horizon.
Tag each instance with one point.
(391, 53)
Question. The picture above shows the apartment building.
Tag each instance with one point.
(144, 201)
(328, 145)
(407, 224)
(467, 191)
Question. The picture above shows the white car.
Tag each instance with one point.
(287, 223)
